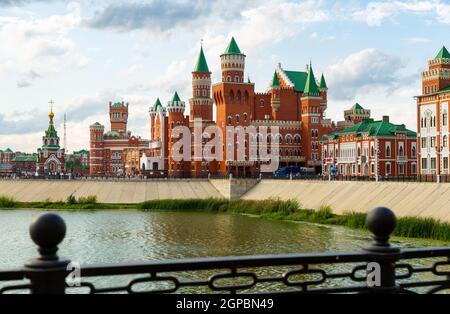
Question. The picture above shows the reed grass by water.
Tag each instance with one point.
(413, 227)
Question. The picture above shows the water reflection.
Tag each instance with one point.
(127, 236)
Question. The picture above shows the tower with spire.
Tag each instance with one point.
(201, 103)
(51, 155)
(175, 109)
(234, 100)
(233, 63)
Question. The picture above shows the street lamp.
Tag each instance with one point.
(376, 161)
(438, 163)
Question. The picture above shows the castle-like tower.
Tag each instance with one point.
(108, 151)
(432, 114)
(51, 155)
(118, 116)
(201, 104)
(96, 156)
(234, 100)
(175, 109)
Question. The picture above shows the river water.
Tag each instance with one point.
(133, 236)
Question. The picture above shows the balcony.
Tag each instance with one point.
(346, 160)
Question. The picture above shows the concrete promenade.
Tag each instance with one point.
(406, 199)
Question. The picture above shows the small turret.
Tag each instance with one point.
(233, 63)
(176, 105)
(311, 88)
(275, 91)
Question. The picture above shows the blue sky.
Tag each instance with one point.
(83, 54)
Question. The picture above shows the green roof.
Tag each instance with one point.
(379, 128)
(8, 150)
(323, 84)
(311, 88)
(298, 79)
(443, 54)
(357, 107)
(112, 133)
(275, 80)
(176, 97)
(233, 48)
(51, 131)
(26, 157)
(202, 65)
(81, 152)
(96, 124)
(118, 104)
(156, 105)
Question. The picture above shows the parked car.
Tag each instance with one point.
(286, 172)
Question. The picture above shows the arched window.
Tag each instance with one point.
(261, 103)
(245, 116)
(228, 78)
(388, 151)
(400, 151)
(237, 118)
(236, 79)
(231, 96)
(229, 119)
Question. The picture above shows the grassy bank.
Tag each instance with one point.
(427, 228)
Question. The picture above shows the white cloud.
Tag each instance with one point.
(375, 13)
(176, 78)
(276, 20)
(363, 70)
(42, 45)
(417, 40)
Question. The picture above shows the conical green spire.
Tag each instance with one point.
(323, 84)
(202, 65)
(51, 131)
(233, 48)
(275, 80)
(176, 97)
(443, 54)
(311, 88)
(157, 105)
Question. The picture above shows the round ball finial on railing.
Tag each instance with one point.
(48, 231)
(381, 221)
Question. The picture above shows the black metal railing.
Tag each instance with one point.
(378, 268)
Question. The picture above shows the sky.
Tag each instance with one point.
(84, 54)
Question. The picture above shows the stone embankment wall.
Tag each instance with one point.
(406, 199)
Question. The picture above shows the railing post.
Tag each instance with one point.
(47, 272)
(381, 222)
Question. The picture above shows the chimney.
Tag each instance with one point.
(386, 118)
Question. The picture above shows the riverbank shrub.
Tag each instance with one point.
(7, 202)
(414, 227)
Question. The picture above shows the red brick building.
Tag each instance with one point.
(295, 102)
(107, 150)
(370, 149)
(433, 116)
